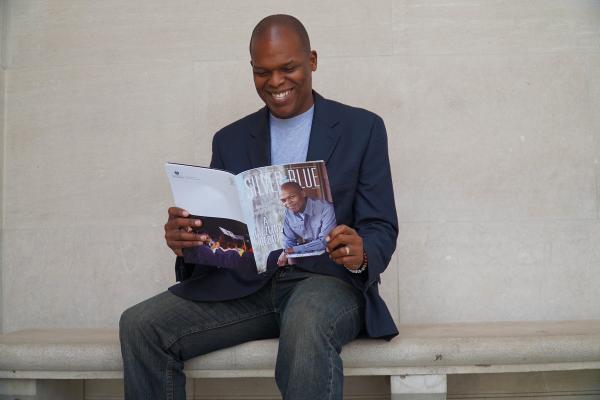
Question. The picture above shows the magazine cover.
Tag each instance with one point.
(290, 209)
(282, 209)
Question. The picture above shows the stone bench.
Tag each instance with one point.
(417, 361)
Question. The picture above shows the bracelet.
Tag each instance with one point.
(362, 267)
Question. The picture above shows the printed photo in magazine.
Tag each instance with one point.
(281, 210)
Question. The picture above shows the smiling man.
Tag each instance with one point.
(315, 306)
(306, 224)
(283, 73)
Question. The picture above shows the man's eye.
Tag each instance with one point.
(260, 73)
(289, 69)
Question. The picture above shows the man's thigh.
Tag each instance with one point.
(187, 328)
(326, 304)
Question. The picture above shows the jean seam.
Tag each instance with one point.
(169, 380)
(191, 331)
(329, 337)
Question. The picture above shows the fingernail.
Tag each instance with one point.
(186, 214)
(327, 239)
(197, 222)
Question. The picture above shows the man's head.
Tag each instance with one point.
(292, 197)
(282, 65)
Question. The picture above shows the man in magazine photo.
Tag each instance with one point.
(313, 307)
(307, 222)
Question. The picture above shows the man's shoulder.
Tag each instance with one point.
(242, 126)
(345, 111)
(319, 204)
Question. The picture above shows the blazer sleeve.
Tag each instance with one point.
(185, 270)
(374, 206)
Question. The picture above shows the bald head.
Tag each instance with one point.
(282, 65)
(274, 24)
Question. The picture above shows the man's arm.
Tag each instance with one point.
(374, 206)
(327, 223)
(375, 220)
(289, 238)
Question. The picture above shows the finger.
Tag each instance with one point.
(341, 240)
(177, 212)
(181, 244)
(339, 252)
(338, 230)
(353, 251)
(182, 236)
(178, 223)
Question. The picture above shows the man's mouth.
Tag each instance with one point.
(281, 96)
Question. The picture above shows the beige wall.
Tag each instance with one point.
(490, 110)
(3, 31)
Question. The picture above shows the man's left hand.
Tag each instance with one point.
(345, 247)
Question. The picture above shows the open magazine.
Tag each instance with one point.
(284, 211)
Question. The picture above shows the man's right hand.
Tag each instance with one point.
(282, 260)
(178, 230)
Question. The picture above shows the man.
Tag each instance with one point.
(306, 224)
(315, 307)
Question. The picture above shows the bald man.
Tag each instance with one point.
(313, 307)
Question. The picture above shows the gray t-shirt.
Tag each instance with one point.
(289, 137)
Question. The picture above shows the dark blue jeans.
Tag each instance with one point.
(313, 316)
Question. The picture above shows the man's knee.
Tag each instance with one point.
(335, 316)
(136, 324)
(131, 323)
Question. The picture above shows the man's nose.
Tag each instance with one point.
(276, 79)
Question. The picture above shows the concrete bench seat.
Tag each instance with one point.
(420, 350)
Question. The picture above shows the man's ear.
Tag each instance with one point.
(313, 60)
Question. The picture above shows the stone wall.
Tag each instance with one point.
(3, 37)
(491, 111)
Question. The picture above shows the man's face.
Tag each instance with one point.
(293, 199)
(282, 72)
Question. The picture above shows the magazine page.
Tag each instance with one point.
(211, 195)
(288, 209)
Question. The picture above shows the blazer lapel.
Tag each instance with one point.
(323, 136)
(259, 148)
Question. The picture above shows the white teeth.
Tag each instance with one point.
(281, 95)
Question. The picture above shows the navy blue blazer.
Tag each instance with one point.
(353, 143)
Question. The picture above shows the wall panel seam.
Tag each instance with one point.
(4, 34)
(3, 63)
(595, 123)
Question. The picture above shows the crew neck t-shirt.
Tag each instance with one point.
(289, 137)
